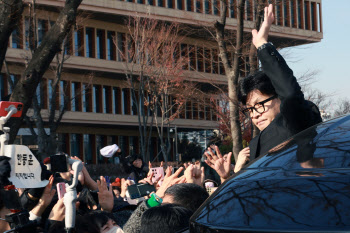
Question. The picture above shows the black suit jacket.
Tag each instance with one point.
(296, 113)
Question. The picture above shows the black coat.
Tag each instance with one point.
(296, 114)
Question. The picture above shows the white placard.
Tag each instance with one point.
(25, 168)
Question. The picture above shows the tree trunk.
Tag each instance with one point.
(42, 57)
(232, 71)
(10, 15)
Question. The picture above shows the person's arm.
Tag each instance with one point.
(294, 108)
(44, 201)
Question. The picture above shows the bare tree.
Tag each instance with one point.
(41, 59)
(232, 69)
(153, 61)
(10, 15)
(343, 107)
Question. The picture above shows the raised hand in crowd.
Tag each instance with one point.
(194, 174)
(148, 179)
(243, 157)
(58, 211)
(124, 187)
(88, 181)
(170, 179)
(105, 195)
(44, 200)
(221, 164)
(260, 37)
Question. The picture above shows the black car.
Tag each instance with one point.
(302, 185)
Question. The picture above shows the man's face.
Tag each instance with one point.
(137, 163)
(272, 108)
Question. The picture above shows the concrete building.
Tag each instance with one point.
(105, 115)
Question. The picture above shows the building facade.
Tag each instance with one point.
(104, 115)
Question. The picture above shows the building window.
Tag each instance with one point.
(293, 12)
(184, 55)
(17, 41)
(188, 5)
(87, 100)
(216, 5)
(199, 6)
(207, 57)
(313, 16)
(26, 33)
(97, 104)
(171, 4)
(200, 59)
(189, 110)
(76, 99)
(3, 82)
(207, 6)
(215, 61)
(111, 49)
(117, 103)
(78, 42)
(42, 29)
(232, 9)
(286, 9)
(107, 100)
(279, 16)
(126, 101)
(75, 145)
(90, 42)
(121, 38)
(307, 14)
(193, 59)
(300, 14)
(249, 10)
(101, 44)
(180, 4)
(88, 148)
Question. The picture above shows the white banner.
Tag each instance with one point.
(25, 168)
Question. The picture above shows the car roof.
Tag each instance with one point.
(302, 185)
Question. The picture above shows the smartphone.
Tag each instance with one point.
(158, 173)
(140, 190)
(5, 104)
(61, 190)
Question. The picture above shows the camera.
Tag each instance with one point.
(59, 162)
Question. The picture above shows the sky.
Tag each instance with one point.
(331, 56)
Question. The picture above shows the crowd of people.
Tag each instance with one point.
(274, 102)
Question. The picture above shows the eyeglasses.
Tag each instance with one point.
(258, 107)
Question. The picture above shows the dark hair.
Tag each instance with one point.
(188, 195)
(82, 225)
(86, 201)
(99, 218)
(168, 218)
(257, 81)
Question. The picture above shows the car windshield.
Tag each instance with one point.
(302, 185)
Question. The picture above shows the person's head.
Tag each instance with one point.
(104, 222)
(188, 195)
(257, 91)
(82, 225)
(168, 218)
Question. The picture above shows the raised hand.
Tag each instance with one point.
(243, 157)
(260, 37)
(194, 174)
(169, 180)
(124, 186)
(58, 211)
(105, 195)
(221, 164)
(45, 199)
